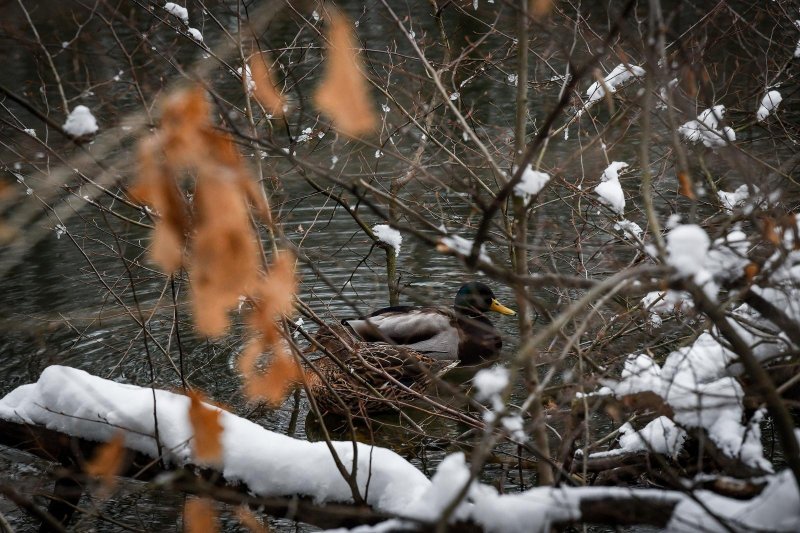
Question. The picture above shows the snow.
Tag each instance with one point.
(695, 384)
(79, 404)
(177, 11)
(490, 383)
(388, 235)
(462, 246)
(80, 122)
(630, 230)
(195, 34)
(71, 401)
(531, 184)
(666, 303)
(687, 253)
(777, 508)
(451, 476)
(610, 190)
(617, 77)
(661, 435)
(737, 198)
(705, 129)
(769, 103)
(251, 85)
(662, 103)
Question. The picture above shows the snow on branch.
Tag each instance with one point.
(705, 129)
(388, 235)
(768, 105)
(617, 78)
(80, 122)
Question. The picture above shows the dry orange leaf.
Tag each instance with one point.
(249, 520)
(273, 385)
(266, 93)
(153, 186)
(200, 516)
(185, 118)
(343, 94)
(108, 460)
(207, 429)
(686, 187)
(751, 271)
(770, 233)
(540, 8)
(224, 261)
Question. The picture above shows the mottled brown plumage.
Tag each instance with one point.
(367, 377)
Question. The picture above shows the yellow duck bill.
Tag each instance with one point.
(500, 308)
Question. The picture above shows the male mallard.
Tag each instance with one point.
(360, 377)
(462, 333)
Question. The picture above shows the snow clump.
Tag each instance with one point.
(251, 85)
(630, 230)
(617, 77)
(659, 436)
(195, 34)
(768, 104)
(80, 122)
(388, 235)
(705, 129)
(531, 184)
(460, 245)
(76, 403)
(666, 303)
(687, 252)
(490, 383)
(737, 198)
(177, 11)
(610, 191)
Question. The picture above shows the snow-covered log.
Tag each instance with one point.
(67, 412)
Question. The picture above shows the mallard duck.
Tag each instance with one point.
(358, 377)
(462, 333)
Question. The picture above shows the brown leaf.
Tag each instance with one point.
(224, 261)
(272, 300)
(249, 520)
(751, 271)
(686, 186)
(266, 94)
(769, 232)
(274, 384)
(207, 430)
(155, 187)
(108, 460)
(343, 94)
(200, 516)
(185, 118)
(540, 8)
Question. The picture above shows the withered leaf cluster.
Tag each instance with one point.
(213, 237)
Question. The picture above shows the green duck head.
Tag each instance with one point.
(477, 297)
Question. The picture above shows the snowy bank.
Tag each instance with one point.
(74, 402)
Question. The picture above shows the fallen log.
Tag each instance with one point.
(73, 452)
